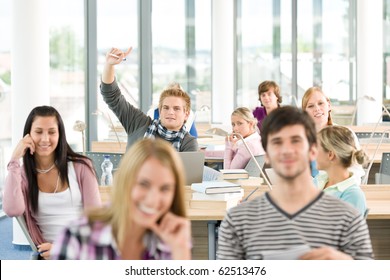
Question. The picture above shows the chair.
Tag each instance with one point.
(22, 223)
(97, 159)
(383, 177)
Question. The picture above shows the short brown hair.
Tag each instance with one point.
(265, 86)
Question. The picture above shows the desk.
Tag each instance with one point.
(108, 147)
(378, 219)
(368, 128)
(204, 221)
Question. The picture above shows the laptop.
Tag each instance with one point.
(193, 163)
(252, 168)
(270, 173)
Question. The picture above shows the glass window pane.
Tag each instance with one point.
(182, 51)
(5, 90)
(325, 56)
(264, 47)
(67, 90)
(117, 26)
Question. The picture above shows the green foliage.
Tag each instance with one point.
(65, 52)
(6, 77)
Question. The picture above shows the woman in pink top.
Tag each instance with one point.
(53, 185)
(236, 155)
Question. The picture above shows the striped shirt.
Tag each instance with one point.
(254, 229)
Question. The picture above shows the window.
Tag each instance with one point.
(182, 50)
(67, 74)
(117, 26)
(324, 58)
(5, 90)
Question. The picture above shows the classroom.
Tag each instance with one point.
(56, 53)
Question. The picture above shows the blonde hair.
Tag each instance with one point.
(175, 90)
(305, 99)
(247, 115)
(340, 141)
(266, 86)
(117, 213)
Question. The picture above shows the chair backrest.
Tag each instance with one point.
(362, 135)
(22, 223)
(385, 164)
(97, 159)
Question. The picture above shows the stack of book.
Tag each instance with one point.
(215, 195)
(231, 174)
(115, 131)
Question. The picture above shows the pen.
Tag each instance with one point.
(249, 195)
(114, 55)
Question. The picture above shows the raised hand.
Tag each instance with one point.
(175, 232)
(116, 56)
(113, 57)
(24, 144)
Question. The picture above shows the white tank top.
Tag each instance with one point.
(56, 210)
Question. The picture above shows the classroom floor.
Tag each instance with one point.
(9, 251)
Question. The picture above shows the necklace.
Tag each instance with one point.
(57, 184)
(44, 171)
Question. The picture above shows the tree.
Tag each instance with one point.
(65, 52)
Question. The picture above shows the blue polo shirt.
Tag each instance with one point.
(346, 190)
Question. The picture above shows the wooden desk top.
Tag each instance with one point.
(368, 128)
(377, 196)
(108, 147)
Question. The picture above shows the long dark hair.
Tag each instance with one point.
(63, 154)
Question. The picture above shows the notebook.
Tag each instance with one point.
(193, 163)
(252, 168)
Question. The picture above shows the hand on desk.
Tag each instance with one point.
(325, 253)
(175, 232)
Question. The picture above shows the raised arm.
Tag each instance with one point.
(113, 57)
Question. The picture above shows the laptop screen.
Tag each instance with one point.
(252, 168)
(193, 163)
